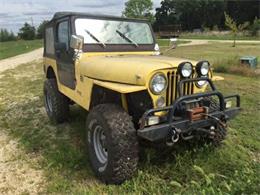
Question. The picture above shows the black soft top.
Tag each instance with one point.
(59, 15)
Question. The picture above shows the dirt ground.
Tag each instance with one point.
(12, 62)
(17, 172)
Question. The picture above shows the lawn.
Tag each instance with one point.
(221, 55)
(13, 48)
(233, 168)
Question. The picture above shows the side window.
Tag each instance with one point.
(49, 41)
(63, 33)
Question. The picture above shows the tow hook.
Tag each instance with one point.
(174, 137)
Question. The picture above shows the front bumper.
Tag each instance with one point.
(184, 125)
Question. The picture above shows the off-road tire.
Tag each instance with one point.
(121, 143)
(58, 106)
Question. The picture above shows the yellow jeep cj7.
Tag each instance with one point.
(112, 67)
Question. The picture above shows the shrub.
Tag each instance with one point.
(255, 27)
(234, 27)
(243, 70)
(215, 28)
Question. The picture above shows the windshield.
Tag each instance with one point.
(97, 31)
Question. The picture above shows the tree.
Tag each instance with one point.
(166, 14)
(139, 9)
(5, 35)
(234, 27)
(191, 14)
(27, 32)
(243, 11)
(200, 13)
(40, 29)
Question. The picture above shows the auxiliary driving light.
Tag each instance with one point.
(153, 120)
(228, 104)
(202, 68)
(185, 69)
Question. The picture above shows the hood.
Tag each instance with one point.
(131, 69)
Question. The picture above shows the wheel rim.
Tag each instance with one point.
(48, 102)
(99, 141)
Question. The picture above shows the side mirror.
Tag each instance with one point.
(173, 43)
(76, 42)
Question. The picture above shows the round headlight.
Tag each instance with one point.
(158, 83)
(185, 69)
(202, 68)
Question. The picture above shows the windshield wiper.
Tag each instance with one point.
(127, 38)
(95, 38)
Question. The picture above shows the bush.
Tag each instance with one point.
(215, 28)
(255, 27)
(243, 70)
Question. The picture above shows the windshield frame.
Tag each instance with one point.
(89, 47)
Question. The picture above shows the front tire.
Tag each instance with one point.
(56, 104)
(112, 143)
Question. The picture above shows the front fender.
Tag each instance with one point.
(119, 87)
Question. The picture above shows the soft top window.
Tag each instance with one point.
(63, 33)
(97, 31)
(49, 41)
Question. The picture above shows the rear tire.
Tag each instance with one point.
(112, 143)
(56, 104)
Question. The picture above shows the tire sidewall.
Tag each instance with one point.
(59, 103)
(46, 94)
(100, 169)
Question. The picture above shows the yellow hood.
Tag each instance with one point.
(130, 69)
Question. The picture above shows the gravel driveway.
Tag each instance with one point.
(18, 173)
(12, 62)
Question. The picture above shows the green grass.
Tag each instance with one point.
(221, 55)
(216, 36)
(13, 48)
(233, 168)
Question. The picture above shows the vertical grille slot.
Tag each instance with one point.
(172, 92)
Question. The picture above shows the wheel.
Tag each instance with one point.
(56, 104)
(112, 143)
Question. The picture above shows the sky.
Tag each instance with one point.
(14, 13)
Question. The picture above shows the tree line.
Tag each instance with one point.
(26, 32)
(195, 14)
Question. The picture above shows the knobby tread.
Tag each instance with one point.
(60, 103)
(123, 143)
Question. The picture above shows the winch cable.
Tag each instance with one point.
(221, 126)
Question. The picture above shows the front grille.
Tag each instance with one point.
(172, 92)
